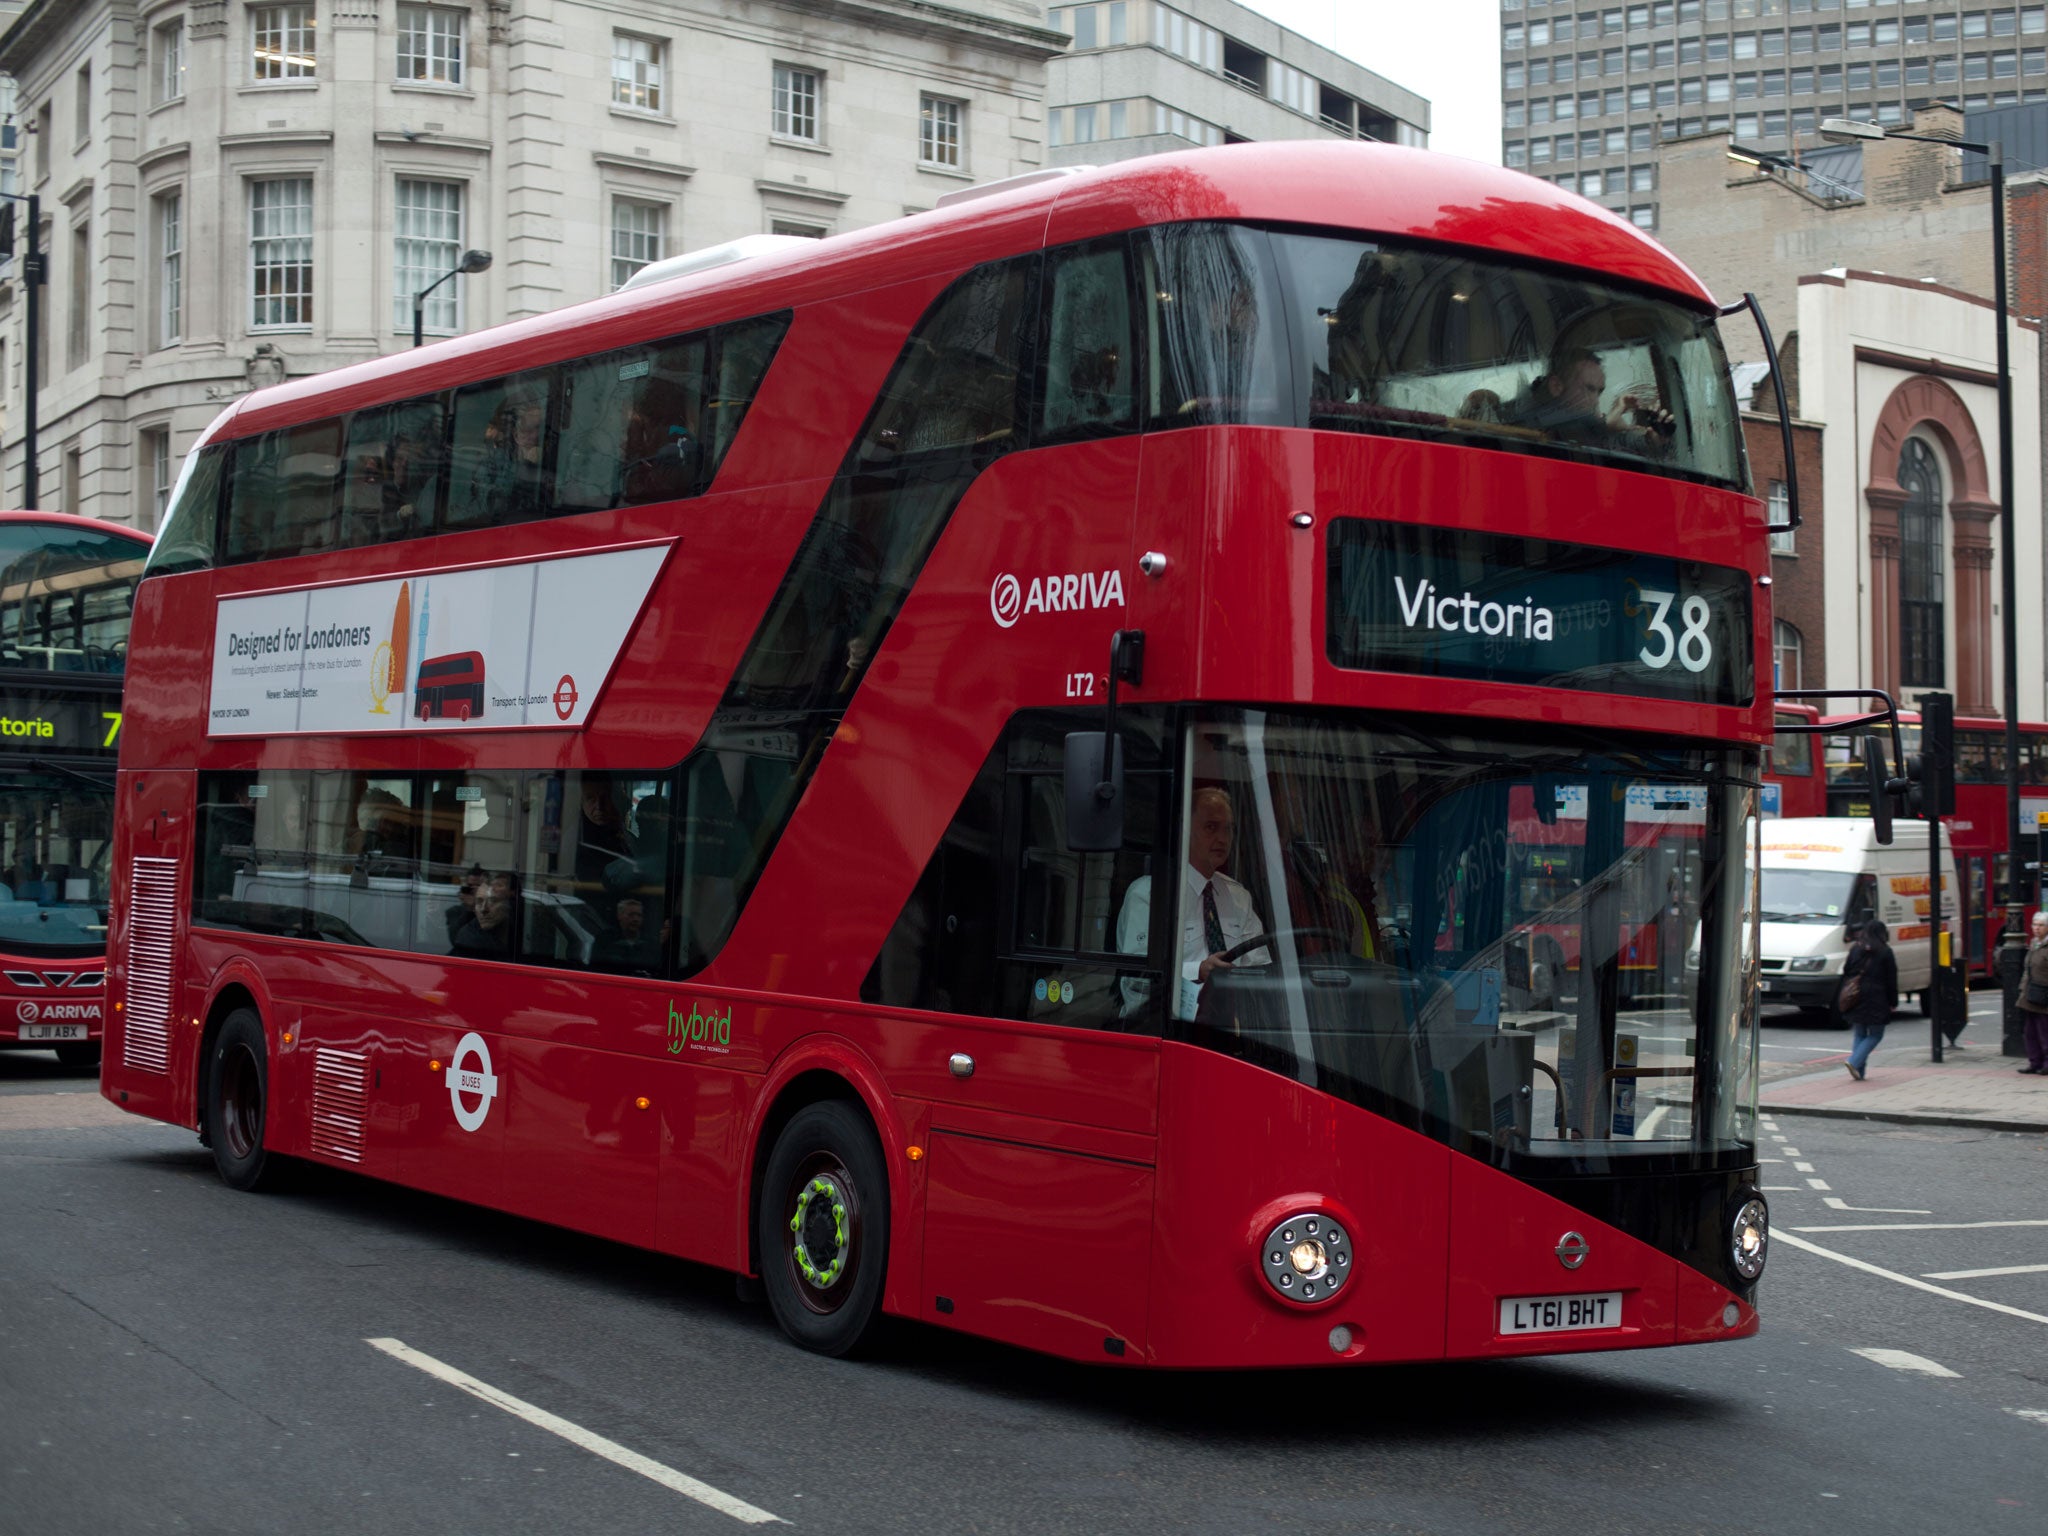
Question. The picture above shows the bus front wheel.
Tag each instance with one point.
(823, 1228)
(237, 1103)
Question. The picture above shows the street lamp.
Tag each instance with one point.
(472, 261)
(2012, 944)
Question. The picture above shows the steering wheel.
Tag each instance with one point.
(1261, 940)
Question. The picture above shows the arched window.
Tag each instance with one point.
(1786, 647)
(1921, 659)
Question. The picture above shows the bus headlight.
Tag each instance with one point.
(1307, 1257)
(1749, 1240)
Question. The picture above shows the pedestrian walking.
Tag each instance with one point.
(1869, 993)
(2034, 999)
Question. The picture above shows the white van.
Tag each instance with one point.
(1823, 878)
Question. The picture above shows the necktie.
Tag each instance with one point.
(1212, 925)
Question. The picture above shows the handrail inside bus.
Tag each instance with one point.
(1763, 327)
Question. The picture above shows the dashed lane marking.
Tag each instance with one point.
(1887, 1274)
(575, 1434)
(2038, 1415)
(1985, 1274)
(1837, 1203)
(1818, 1184)
(1802, 1167)
(1899, 1360)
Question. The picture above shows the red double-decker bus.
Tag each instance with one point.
(1977, 830)
(1793, 782)
(450, 687)
(66, 584)
(1034, 828)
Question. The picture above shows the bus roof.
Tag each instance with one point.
(72, 520)
(1368, 188)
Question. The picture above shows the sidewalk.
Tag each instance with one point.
(1972, 1086)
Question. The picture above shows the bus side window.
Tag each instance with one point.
(191, 526)
(281, 494)
(1088, 374)
(1215, 328)
(391, 468)
(499, 463)
(744, 351)
(959, 385)
(631, 425)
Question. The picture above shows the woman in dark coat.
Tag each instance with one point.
(1871, 960)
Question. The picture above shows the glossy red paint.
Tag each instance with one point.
(1080, 1188)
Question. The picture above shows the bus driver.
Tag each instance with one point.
(1216, 914)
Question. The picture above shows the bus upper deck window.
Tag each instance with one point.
(1216, 336)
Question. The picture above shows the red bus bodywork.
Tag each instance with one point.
(450, 687)
(64, 603)
(1095, 1194)
(1794, 767)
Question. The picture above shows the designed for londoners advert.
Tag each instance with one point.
(503, 647)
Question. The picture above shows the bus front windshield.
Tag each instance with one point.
(1525, 947)
(55, 836)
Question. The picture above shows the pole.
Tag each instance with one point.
(2012, 946)
(32, 274)
(1937, 930)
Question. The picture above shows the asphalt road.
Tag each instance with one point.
(177, 1357)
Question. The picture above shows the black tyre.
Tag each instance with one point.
(823, 1228)
(237, 1103)
(79, 1053)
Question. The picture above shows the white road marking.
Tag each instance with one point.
(1802, 1167)
(1925, 1226)
(1818, 1184)
(1652, 1121)
(1899, 1360)
(1983, 1274)
(597, 1445)
(1770, 1159)
(1918, 1285)
(2038, 1415)
(1837, 1203)
(1789, 1151)
(1781, 1189)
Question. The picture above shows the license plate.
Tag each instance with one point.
(52, 1032)
(1560, 1314)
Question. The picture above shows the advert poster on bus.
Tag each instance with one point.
(517, 646)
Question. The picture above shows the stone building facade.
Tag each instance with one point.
(237, 191)
(1143, 77)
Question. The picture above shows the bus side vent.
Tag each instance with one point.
(340, 1099)
(152, 927)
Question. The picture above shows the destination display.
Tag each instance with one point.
(1447, 602)
(524, 646)
(38, 723)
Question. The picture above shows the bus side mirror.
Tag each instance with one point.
(1094, 785)
(1875, 770)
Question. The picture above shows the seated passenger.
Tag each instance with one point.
(628, 947)
(488, 933)
(1565, 403)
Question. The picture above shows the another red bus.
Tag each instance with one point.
(1793, 782)
(450, 687)
(785, 911)
(1977, 831)
(66, 585)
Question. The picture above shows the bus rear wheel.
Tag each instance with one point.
(237, 1103)
(823, 1228)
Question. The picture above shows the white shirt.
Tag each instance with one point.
(1235, 913)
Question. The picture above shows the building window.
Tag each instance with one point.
(426, 245)
(938, 132)
(281, 42)
(637, 71)
(81, 102)
(1787, 650)
(168, 75)
(78, 336)
(430, 39)
(1922, 662)
(638, 231)
(796, 103)
(170, 269)
(1781, 512)
(792, 227)
(281, 253)
(155, 488)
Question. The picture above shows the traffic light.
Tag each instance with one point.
(6, 231)
(1931, 772)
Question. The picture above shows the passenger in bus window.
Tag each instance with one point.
(488, 933)
(628, 947)
(662, 452)
(1564, 401)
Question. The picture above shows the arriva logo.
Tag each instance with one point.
(1009, 599)
(700, 1031)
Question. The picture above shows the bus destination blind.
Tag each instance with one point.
(1448, 602)
(59, 724)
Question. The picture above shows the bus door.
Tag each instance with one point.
(1040, 1175)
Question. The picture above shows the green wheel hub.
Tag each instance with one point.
(821, 1232)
